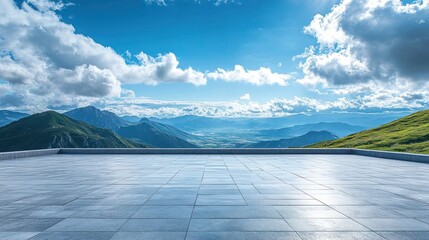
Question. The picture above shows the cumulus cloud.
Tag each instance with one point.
(126, 93)
(272, 108)
(40, 52)
(384, 101)
(89, 81)
(363, 40)
(246, 97)
(262, 76)
(165, 67)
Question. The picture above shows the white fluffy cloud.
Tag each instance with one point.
(165, 67)
(389, 101)
(262, 76)
(246, 97)
(89, 81)
(40, 52)
(364, 40)
(272, 108)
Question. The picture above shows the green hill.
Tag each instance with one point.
(53, 130)
(407, 134)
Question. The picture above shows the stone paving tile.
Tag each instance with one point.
(27, 225)
(172, 200)
(103, 214)
(287, 202)
(17, 235)
(312, 225)
(231, 225)
(149, 235)
(242, 236)
(221, 199)
(87, 225)
(291, 212)
(235, 212)
(164, 212)
(340, 236)
(73, 236)
(388, 224)
(367, 212)
(156, 225)
(213, 197)
(405, 235)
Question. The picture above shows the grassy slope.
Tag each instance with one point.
(52, 130)
(407, 134)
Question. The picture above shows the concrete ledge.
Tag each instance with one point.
(412, 157)
(218, 151)
(29, 153)
(422, 158)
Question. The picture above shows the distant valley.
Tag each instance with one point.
(300, 141)
(102, 127)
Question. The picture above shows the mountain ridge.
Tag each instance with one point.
(303, 140)
(157, 134)
(7, 116)
(96, 117)
(54, 130)
(338, 128)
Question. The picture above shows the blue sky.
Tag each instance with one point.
(205, 36)
(214, 57)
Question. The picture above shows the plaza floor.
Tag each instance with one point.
(213, 197)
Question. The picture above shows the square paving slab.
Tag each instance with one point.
(213, 197)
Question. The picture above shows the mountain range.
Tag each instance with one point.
(193, 123)
(145, 131)
(93, 127)
(337, 128)
(97, 117)
(53, 130)
(157, 134)
(300, 141)
(407, 134)
(7, 117)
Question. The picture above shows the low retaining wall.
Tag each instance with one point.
(218, 151)
(29, 153)
(423, 158)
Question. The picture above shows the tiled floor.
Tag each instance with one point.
(213, 197)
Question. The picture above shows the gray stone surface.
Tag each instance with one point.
(213, 197)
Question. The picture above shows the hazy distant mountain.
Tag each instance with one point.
(131, 119)
(7, 117)
(304, 140)
(54, 130)
(191, 122)
(197, 123)
(337, 128)
(157, 134)
(97, 117)
(407, 134)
